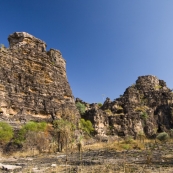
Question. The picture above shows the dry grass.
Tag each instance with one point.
(107, 166)
(118, 146)
(27, 153)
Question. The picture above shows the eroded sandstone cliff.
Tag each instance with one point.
(33, 81)
(145, 107)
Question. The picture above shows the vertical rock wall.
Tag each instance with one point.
(33, 82)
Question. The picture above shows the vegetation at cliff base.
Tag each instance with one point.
(6, 132)
(28, 128)
(86, 126)
(163, 137)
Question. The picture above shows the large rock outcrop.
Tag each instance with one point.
(33, 82)
(145, 107)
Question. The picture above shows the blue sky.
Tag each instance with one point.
(107, 43)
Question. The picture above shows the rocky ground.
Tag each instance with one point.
(153, 159)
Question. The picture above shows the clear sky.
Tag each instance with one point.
(107, 43)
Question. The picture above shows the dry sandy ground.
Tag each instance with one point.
(104, 160)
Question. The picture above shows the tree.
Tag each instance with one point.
(79, 146)
(64, 131)
(6, 132)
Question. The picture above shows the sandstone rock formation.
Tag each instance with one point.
(145, 107)
(33, 82)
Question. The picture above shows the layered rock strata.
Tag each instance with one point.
(146, 107)
(33, 81)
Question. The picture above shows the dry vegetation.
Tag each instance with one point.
(120, 156)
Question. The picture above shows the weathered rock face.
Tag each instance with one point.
(33, 82)
(25, 40)
(145, 107)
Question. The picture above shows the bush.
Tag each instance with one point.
(30, 127)
(6, 133)
(100, 105)
(36, 140)
(157, 87)
(128, 140)
(80, 107)
(108, 111)
(144, 115)
(86, 126)
(163, 137)
(125, 146)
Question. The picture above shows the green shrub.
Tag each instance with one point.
(63, 126)
(125, 146)
(144, 115)
(6, 132)
(86, 126)
(128, 140)
(157, 87)
(80, 107)
(108, 111)
(119, 107)
(30, 127)
(163, 137)
(100, 105)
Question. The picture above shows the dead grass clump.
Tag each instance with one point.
(117, 146)
(25, 153)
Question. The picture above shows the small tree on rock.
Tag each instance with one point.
(80, 107)
(86, 126)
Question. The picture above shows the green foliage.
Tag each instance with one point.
(141, 108)
(125, 146)
(64, 133)
(63, 126)
(119, 107)
(144, 115)
(158, 87)
(100, 104)
(33, 126)
(108, 111)
(30, 127)
(128, 140)
(86, 126)
(6, 132)
(163, 137)
(80, 107)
